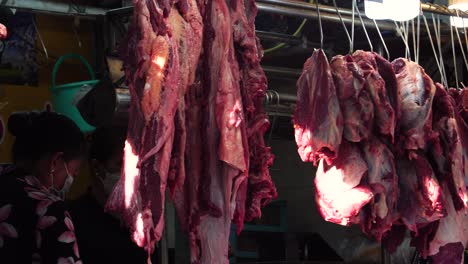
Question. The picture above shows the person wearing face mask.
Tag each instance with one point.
(35, 225)
(101, 236)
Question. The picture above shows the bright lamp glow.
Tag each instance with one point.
(461, 5)
(403, 10)
(375, 9)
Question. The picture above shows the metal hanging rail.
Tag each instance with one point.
(55, 8)
(425, 7)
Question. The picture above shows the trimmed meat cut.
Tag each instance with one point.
(415, 94)
(355, 103)
(382, 178)
(448, 149)
(382, 89)
(340, 193)
(318, 121)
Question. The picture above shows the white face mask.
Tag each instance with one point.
(66, 186)
(110, 181)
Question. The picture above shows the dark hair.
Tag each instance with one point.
(107, 141)
(39, 134)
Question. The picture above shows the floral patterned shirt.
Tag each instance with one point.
(35, 227)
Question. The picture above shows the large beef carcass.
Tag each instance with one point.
(318, 120)
(415, 95)
(259, 188)
(356, 105)
(212, 157)
(226, 162)
(341, 191)
(157, 78)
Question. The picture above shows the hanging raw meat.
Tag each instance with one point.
(318, 121)
(407, 168)
(340, 189)
(196, 123)
(380, 82)
(448, 150)
(259, 188)
(378, 218)
(355, 102)
(420, 200)
(415, 94)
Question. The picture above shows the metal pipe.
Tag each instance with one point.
(425, 7)
(302, 13)
(278, 37)
(49, 7)
(274, 96)
(289, 72)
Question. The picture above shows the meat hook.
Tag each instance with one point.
(272, 127)
(364, 28)
(400, 32)
(433, 49)
(416, 37)
(460, 42)
(41, 40)
(320, 23)
(344, 25)
(441, 58)
(382, 39)
(454, 56)
(352, 27)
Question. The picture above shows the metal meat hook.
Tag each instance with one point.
(439, 44)
(344, 26)
(382, 39)
(460, 42)
(364, 27)
(454, 56)
(401, 32)
(41, 40)
(320, 23)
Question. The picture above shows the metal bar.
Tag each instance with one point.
(425, 7)
(442, 10)
(304, 13)
(49, 7)
(289, 72)
(279, 37)
(272, 98)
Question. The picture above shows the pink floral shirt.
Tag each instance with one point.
(34, 224)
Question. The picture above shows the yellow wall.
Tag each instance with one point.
(59, 38)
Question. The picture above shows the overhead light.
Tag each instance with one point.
(403, 10)
(461, 5)
(458, 4)
(375, 9)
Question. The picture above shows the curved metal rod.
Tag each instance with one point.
(382, 39)
(352, 27)
(364, 27)
(320, 24)
(454, 57)
(41, 40)
(418, 37)
(460, 42)
(402, 35)
(342, 22)
(442, 80)
(439, 44)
